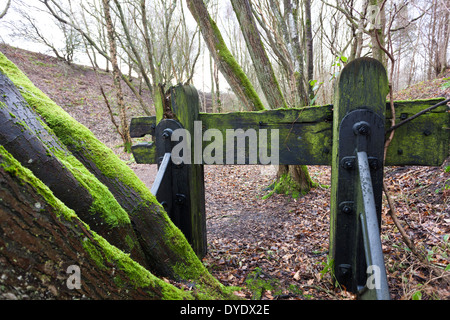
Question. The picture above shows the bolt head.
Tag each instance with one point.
(167, 133)
(363, 130)
(347, 210)
(348, 164)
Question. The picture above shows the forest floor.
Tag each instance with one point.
(277, 248)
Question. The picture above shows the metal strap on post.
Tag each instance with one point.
(376, 287)
(163, 174)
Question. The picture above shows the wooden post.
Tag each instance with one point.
(185, 108)
(362, 85)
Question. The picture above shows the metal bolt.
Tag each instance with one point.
(345, 270)
(362, 128)
(347, 210)
(348, 163)
(167, 133)
(180, 199)
(373, 163)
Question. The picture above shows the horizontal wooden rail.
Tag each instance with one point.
(305, 134)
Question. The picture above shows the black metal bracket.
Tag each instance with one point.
(171, 186)
(361, 131)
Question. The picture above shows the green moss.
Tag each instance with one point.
(257, 285)
(137, 275)
(75, 135)
(288, 186)
(11, 165)
(94, 253)
(97, 248)
(79, 138)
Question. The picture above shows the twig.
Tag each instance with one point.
(397, 223)
(417, 115)
(111, 113)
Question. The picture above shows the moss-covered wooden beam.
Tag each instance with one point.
(423, 141)
(305, 133)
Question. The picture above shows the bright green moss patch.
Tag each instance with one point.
(98, 249)
(71, 132)
(11, 165)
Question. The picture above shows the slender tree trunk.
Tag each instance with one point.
(148, 44)
(291, 8)
(309, 48)
(116, 74)
(131, 44)
(443, 63)
(261, 62)
(377, 31)
(230, 69)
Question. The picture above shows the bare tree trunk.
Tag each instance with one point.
(443, 63)
(131, 44)
(377, 33)
(125, 133)
(291, 8)
(5, 10)
(309, 48)
(261, 62)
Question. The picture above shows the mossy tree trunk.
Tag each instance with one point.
(293, 180)
(228, 66)
(41, 239)
(260, 59)
(118, 227)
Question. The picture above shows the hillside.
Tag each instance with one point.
(275, 248)
(439, 87)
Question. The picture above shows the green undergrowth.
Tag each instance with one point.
(286, 185)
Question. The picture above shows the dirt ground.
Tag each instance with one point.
(274, 248)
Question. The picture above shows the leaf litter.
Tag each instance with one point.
(277, 248)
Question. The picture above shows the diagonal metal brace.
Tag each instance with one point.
(376, 287)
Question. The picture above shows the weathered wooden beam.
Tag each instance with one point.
(305, 134)
(141, 126)
(423, 141)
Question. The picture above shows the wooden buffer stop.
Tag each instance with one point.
(348, 135)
